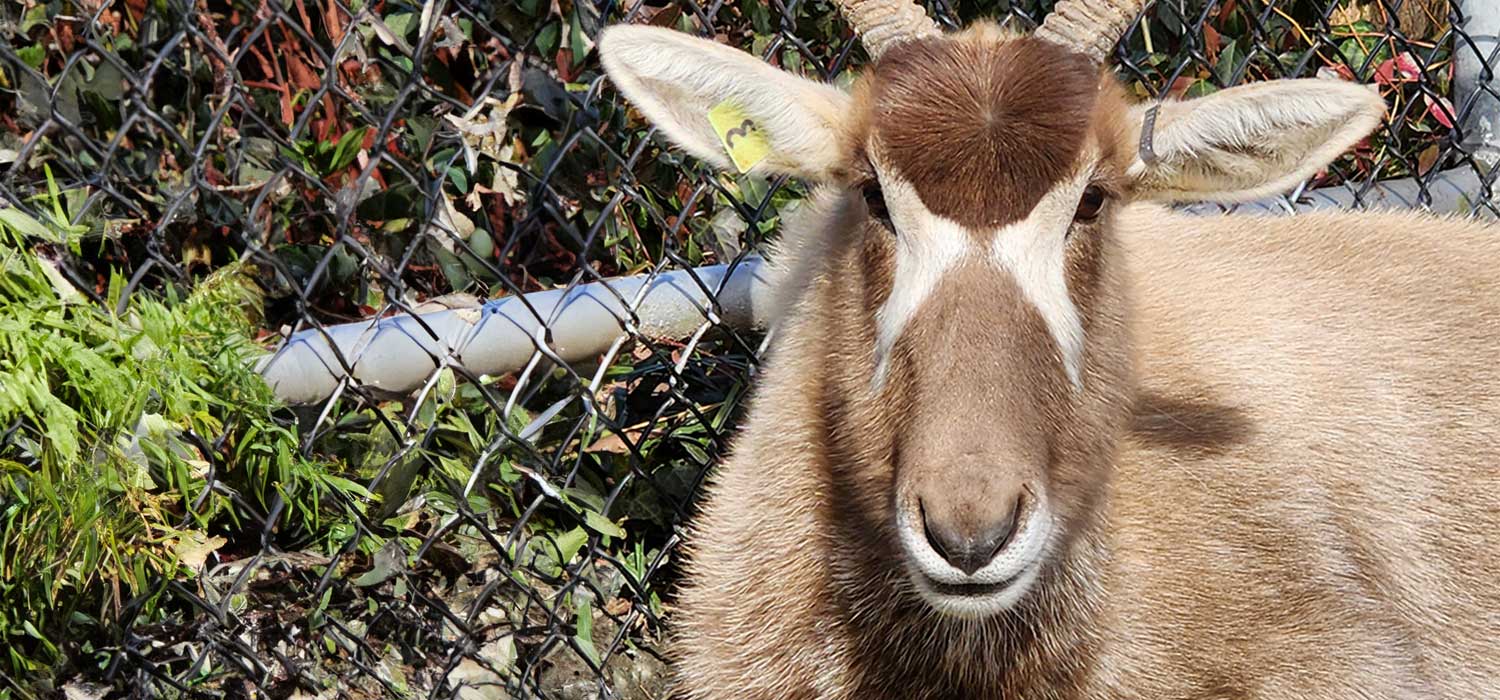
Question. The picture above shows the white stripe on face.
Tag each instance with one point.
(927, 246)
(1032, 250)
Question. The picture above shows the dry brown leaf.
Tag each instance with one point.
(611, 443)
(617, 606)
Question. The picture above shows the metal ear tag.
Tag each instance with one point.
(1148, 133)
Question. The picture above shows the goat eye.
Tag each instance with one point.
(875, 204)
(1090, 204)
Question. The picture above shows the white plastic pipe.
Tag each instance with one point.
(400, 353)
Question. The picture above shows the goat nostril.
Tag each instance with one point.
(933, 540)
(1002, 535)
(972, 550)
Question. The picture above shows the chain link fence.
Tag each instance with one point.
(511, 522)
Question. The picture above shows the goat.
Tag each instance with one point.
(1026, 432)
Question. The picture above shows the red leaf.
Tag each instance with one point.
(301, 75)
(1401, 69)
(334, 24)
(1408, 66)
(1385, 73)
(136, 9)
(1211, 41)
(1440, 109)
(1227, 10)
(1181, 85)
(564, 62)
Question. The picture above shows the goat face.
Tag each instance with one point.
(981, 175)
(988, 187)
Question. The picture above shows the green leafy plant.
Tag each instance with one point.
(116, 418)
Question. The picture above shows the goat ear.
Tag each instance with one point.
(1251, 141)
(699, 92)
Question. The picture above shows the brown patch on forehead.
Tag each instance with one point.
(982, 128)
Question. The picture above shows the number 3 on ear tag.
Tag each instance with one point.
(745, 142)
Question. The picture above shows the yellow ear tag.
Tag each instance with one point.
(745, 142)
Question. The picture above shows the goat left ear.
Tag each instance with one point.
(698, 92)
(1248, 142)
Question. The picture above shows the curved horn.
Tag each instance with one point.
(881, 24)
(1090, 27)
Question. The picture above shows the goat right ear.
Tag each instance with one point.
(785, 124)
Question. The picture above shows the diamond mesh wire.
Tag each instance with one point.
(382, 158)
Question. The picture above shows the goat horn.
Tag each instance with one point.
(881, 24)
(1090, 27)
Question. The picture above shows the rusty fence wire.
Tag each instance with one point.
(511, 532)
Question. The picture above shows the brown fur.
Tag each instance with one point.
(1008, 116)
(1278, 482)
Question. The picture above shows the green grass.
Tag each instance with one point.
(113, 425)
